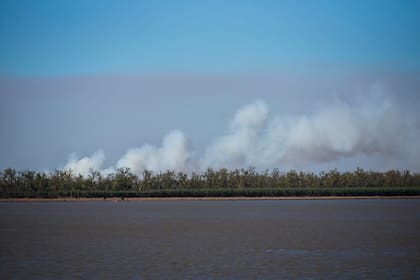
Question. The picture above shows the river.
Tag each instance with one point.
(253, 239)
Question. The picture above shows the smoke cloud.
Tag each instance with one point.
(239, 146)
(86, 165)
(339, 131)
(173, 155)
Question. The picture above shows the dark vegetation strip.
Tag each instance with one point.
(211, 183)
(250, 192)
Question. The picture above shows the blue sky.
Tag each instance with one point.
(309, 85)
(62, 37)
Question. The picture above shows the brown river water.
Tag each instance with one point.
(253, 239)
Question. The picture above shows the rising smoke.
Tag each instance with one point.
(84, 165)
(173, 155)
(375, 127)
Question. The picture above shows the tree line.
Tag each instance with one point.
(28, 183)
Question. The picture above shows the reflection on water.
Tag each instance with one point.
(211, 239)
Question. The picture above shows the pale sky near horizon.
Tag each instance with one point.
(79, 76)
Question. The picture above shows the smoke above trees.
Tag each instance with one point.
(255, 137)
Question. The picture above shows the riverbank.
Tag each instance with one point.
(215, 194)
(116, 199)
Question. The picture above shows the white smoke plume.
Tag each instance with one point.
(173, 155)
(255, 138)
(86, 165)
(238, 146)
(337, 132)
(341, 132)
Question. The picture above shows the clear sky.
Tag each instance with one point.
(309, 85)
(63, 37)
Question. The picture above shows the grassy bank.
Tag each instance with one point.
(223, 192)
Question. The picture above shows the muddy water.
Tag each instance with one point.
(314, 239)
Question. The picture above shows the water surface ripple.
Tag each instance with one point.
(312, 239)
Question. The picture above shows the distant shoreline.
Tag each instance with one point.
(238, 198)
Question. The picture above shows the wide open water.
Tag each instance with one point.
(255, 239)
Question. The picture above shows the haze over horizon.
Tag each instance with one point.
(188, 85)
